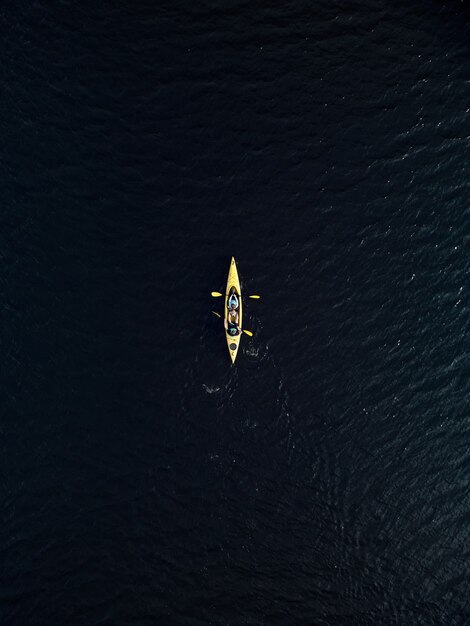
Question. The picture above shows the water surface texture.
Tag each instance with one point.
(323, 480)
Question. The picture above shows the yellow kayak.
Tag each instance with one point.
(233, 288)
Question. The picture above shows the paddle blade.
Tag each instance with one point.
(216, 314)
(248, 332)
(216, 294)
(255, 297)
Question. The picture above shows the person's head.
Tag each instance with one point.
(233, 306)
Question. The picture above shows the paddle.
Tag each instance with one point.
(248, 332)
(216, 294)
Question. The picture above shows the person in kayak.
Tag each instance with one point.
(232, 299)
(232, 329)
(231, 321)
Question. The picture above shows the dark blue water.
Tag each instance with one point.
(323, 480)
